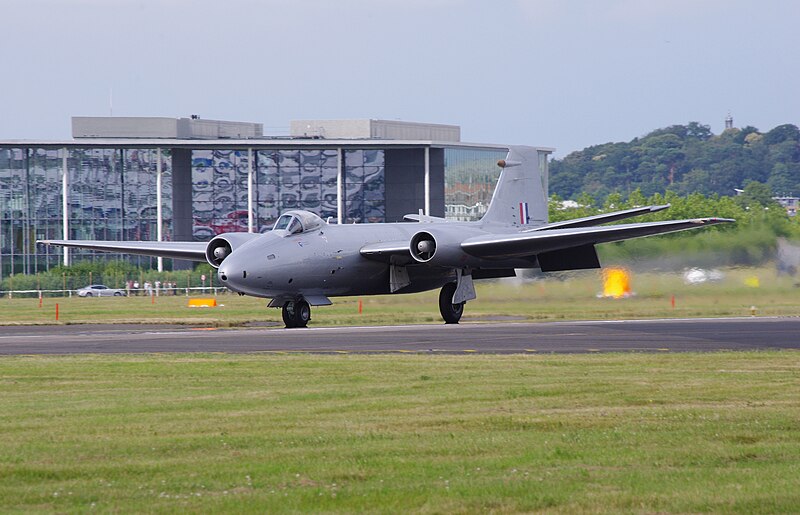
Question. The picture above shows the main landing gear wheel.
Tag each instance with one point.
(296, 314)
(450, 312)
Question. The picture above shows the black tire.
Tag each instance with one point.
(302, 313)
(89, 294)
(118, 294)
(451, 313)
(287, 313)
(296, 314)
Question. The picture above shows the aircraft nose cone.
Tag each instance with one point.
(233, 272)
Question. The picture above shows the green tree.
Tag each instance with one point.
(781, 133)
(782, 181)
(684, 158)
(756, 194)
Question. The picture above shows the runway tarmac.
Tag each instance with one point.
(672, 335)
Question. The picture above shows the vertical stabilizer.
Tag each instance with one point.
(519, 198)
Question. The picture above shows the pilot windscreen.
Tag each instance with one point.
(282, 223)
(295, 226)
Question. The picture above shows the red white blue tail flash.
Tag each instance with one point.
(523, 213)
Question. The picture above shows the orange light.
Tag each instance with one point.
(616, 283)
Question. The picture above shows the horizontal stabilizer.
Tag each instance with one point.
(523, 244)
(605, 218)
(425, 218)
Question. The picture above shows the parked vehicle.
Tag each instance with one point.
(100, 290)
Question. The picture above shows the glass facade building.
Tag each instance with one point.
(111, 196)
(283, 180)
(110, 190)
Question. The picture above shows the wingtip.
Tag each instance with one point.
(712, 221)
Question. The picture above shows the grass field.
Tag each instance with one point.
(573, 296)
(716, 432)
(457, 434)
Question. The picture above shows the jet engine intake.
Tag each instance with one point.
(223, 245)
(423, 246)
(440, 248)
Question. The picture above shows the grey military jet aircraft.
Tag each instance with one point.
(304, 261)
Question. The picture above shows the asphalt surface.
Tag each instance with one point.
(495, 338)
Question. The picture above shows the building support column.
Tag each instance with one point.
(339, 186)
(182, 215)
(427, 180)
(65, 202)
(250, 221)
(159, 207)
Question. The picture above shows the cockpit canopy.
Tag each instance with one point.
(297, 221)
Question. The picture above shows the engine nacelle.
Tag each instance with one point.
(441, 248)
(221, 246)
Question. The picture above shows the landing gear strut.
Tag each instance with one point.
(451, 313)
(296, 313)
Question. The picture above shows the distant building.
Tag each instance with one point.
(789, 203)
(186, 179)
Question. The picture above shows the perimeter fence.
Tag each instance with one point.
(123, 292)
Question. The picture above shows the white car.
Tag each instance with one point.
(100, 290)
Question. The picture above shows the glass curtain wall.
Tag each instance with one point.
(307, 179)
(140, 194)
(219, 192)
(30, 208)
(295, 179)
(44, 207)
(112, 195)
(283, 180)
(469, 180)
(9, 191)
(364, 186)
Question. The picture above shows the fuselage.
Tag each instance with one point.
(326, 261)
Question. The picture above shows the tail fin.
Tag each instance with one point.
(520, 197)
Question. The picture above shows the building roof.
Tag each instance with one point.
(255, 143)
(194, 133)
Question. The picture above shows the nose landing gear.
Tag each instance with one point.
(296, 313)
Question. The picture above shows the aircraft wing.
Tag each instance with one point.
(600, 219)
(191, 250)
(516, 245)
(392, 252)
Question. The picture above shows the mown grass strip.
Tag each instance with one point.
(397, 433)
(570, 296)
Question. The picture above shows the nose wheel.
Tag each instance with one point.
(296, 313)
(451, 313)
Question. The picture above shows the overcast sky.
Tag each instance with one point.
(560, 73)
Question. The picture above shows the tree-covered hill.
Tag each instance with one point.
(684, 159)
